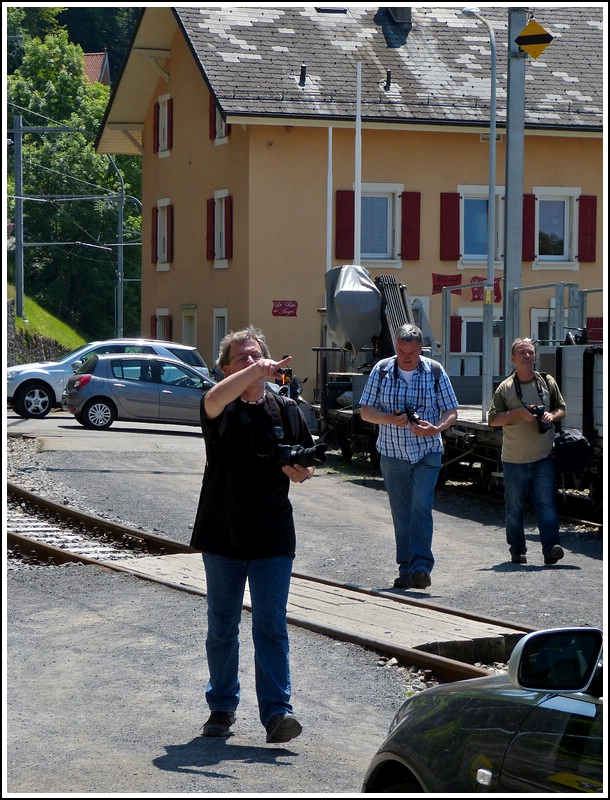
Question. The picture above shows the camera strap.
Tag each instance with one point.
(517, 383)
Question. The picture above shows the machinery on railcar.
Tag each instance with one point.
(357, 330)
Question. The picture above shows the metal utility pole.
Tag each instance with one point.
(513, 206)
(19, 130)
(18, 217)
(488, 291)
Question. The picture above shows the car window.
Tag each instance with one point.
(132, 370)
(191, 357)
(174, 375)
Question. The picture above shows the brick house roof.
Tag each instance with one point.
(97, 67)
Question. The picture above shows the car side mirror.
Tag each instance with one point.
(562, 659)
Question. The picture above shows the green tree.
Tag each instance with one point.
(72, 193)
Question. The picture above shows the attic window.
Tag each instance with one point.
(331, 10)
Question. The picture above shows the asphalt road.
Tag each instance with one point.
(106, 673)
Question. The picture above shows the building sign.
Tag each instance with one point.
(284, 308)
(439, 281)
(477, 291)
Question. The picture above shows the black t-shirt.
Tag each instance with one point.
(244, 511)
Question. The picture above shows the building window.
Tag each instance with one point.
(163, 125)
(219, 129)
(389, 224)
(162, 244)
(161, 325)
(556, 226)
(221, 316)
(189, 324)
(473, 229)
(220, 229)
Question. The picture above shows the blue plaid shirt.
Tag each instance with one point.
(394, 394)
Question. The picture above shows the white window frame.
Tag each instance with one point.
(569, 195)
(163, 126)
(393, 192)
(220, 326)
(161, 327)
(221, 128)
(189, 324)
(220, 262)
(469, 192)
(162, 234)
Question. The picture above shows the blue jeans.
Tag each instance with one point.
(269, 583)
(537, 479)
(410, 489)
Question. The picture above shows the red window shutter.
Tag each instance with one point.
(156, 128)
(587, 223)
(170, 123)
(228, 227)
(450, 226)
(154, 234)
(528, 242)
(212, 119)
(170, 233)
(210, 244)
(595, 329)
(409, 235)
(153, 326)
(344, 222)
(455, 334)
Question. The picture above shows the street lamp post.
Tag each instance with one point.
(488, 292)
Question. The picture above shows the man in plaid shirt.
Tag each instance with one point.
(411, 407)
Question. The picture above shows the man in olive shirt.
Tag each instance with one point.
(527, 405)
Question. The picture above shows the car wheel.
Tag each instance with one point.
(79, 418)
(98, 415)
(34, 401)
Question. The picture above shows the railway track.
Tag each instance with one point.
(44, 532)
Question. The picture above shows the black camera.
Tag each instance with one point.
(287, 455)
(538, 412)
(411, 413)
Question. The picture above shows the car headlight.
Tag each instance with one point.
(11, 374)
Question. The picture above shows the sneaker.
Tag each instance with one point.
(553, 555)
(219, 724)
(519, 558)
(282, 728)
(402, 583)
(421, 580)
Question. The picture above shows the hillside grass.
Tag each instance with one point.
(42, 322)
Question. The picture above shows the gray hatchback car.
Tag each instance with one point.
(137, 388)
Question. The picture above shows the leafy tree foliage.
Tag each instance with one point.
(98, 28)
(72, 194)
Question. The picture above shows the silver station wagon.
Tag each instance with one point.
(135, 388)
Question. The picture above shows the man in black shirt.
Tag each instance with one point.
(245, 530)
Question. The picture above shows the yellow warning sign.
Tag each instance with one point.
(533, 39)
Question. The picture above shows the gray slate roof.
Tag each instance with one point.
(440, 68)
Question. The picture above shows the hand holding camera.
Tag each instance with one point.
(539, 412)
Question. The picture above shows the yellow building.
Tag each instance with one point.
(259, 127)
